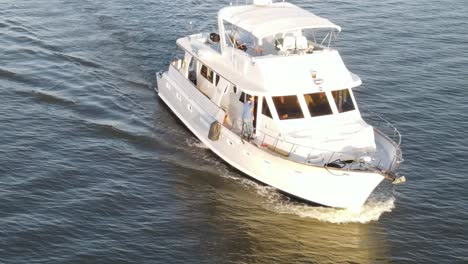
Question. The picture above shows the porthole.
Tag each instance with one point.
(178, 96)
(229, 142)
(189, 107)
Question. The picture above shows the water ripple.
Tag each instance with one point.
(94, 168)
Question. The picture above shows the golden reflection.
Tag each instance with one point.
(276, 236)
(239, 221)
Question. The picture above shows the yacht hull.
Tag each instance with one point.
(326, 186)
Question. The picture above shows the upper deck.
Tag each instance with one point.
(267, 20)
(273, 29)
(276, 48)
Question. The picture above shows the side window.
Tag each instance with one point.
(343, 100)
(288, 107)
(207, 73)
(318, 104)
(192, 71)
(242, 97)
(265, 108)
(217, 79)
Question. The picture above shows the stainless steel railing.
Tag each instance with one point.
(315, 156)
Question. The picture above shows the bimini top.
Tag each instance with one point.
(267, 20)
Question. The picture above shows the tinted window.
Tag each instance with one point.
(318, 104)
(343, 100)
(288, 107)
(242, 97)
(265, 108)
(207, 73)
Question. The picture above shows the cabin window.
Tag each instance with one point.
(192, 72)
(177, 63)
(318, 104)
(217, 79)
(265, 108)
(242, 97)
(207, 73)
(343, 100)
(288, 107)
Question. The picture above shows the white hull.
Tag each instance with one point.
(329, 187)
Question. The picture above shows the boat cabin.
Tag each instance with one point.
(302, 90)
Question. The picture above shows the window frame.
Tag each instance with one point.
(286, 115)
(349, 96)
(266, 107)
(312, 111)
(206, 71)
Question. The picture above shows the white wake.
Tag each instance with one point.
(276, 202)
(378, 204)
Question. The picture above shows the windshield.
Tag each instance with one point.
(288, 107)
(318, 104)
(343, 100)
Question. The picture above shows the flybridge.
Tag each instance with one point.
(274, 28)
(263, 21)
(292, 50)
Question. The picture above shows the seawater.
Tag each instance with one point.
(95, 169)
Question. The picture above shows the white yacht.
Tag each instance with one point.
(310, 140)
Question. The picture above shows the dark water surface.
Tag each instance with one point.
(94, 169)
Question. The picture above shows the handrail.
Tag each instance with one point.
(395, 138)
(396, 135)
(295, 147)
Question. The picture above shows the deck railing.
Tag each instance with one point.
(388, 130)
(279, 146)
(383, 125)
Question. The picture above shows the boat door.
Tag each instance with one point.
(266, 122)
(242, 99)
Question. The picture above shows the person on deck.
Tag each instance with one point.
(247, 118)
